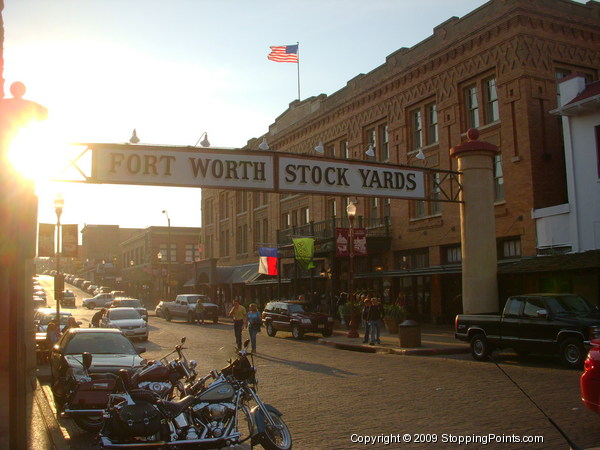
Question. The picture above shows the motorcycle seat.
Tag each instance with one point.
(102, 376)
(176, 407)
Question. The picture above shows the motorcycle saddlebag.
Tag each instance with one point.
(93, 394)
(140, 419)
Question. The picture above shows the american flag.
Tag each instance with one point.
(284, 53)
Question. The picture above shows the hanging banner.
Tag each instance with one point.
(70, 241)
(46, 240)
(342, 241)
(304, 250)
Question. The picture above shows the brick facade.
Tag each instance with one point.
(508, 55)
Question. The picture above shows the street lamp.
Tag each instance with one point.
(168, 255)
(59, 203)
(159, 256)
(351, 211)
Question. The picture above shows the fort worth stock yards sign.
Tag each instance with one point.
(251, 170)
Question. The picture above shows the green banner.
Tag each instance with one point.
(304, 250)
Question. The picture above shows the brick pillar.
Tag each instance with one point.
(478, 224)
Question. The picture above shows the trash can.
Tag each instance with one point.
(409, 332)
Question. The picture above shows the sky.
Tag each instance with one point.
(175, 69)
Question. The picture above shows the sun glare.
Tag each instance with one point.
(39, 153)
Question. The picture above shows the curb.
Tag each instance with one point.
(53, 428)
(454, 350)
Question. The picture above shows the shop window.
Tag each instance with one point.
(411, 259)
(451, 254)
(509, 248)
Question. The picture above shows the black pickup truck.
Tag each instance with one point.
(562, 324)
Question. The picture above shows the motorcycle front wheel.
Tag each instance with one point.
(91, 423)
(276, 438)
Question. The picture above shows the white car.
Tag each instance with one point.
(128, 320)
(102, 300)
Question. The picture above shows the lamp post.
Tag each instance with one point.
(59, 203)
(168, 255)
(160, 287)
(351, 211)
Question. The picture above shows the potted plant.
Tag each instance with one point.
(393, 315)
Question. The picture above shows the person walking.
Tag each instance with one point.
(238, 314)
(96, 318)
(365, 320)
(71, 323)
(199, 312)
(254, 324)
(52, 334)
(375, 316)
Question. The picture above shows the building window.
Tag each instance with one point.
(331, 208)
(286, 220)
(424, 125)
(208, 247)
(373, 208)
(304, 216)
(472, 106)
(387, 207)
(432, 207)
(224, 243)
(491, 101)
(411, 259)
(418, 209)
(241, 239)
(192, 253)
(498, 179)
(417, 129)
(451, 254)
(432, 124)
(207, 211)
(265, 230)
(173, 253)
(509, 248)
(384, 139)
(240, 202)
(256, 231)
(344, 151)
(372, 141)
(330, 151)
(223, 206)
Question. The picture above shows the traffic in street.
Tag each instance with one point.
(339, 399)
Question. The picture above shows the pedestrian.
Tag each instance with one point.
(254, 324)
(365, 321)
(52, 334)
(96, 318)
(71, 323)
(238, 314)
(374, 316)
(199, 312)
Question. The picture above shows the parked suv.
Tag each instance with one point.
(68, 298)
(297, 317)
(103, 300)
(126, 302)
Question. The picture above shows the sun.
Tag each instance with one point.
(39, 152)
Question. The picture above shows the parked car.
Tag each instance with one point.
(184, 307)
(296, 317)
(562, 324)
(128, 320)
(85, 285)
(39, 302)
(68, 298)
(102, 300)
(126, 302)
(589, 382)
(111, 351)
(41, 319)
(92, 289)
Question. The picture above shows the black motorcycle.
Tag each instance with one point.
(226, 412)
(86, 396)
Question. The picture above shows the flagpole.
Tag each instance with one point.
(298, 43)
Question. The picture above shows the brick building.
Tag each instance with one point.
(495, 69)
(157, 262)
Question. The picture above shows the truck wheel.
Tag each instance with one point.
(91, 305)
(270, 330)
(480, 349)
(167, 315)
(572, 353)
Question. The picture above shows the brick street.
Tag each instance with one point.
(330, 396)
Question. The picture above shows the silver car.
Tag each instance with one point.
(128, 320)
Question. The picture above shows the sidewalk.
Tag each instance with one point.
(435, 340)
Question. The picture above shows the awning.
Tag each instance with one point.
(243, 274)
(554, 263)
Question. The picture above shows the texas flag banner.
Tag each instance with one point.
(268, 260)
(284, 53)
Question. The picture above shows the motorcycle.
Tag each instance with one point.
(87, 395)
(216, 415)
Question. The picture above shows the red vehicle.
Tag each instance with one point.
(590, 379)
